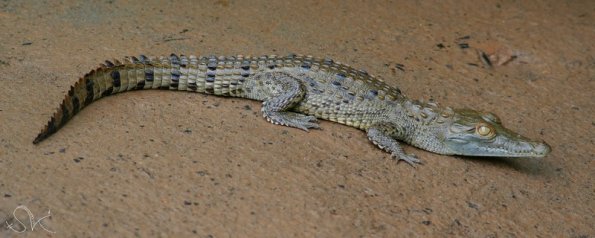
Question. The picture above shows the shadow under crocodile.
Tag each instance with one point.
(532, 166)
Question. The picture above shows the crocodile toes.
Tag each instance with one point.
(293, 119)
(411, 159)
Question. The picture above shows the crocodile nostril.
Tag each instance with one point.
(541, 148)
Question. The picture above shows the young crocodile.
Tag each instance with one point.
(296, 89)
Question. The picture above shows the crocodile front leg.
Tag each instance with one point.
(287, 92)
(383, 135)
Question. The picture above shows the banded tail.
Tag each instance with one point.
(173, 73)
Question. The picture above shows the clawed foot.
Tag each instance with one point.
(383, 135)
(292, 119)
(411, 159)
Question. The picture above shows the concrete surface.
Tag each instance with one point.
(158, 163)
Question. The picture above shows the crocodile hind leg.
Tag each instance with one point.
(286, 92)
(383, 135)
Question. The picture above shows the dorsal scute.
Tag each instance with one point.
(427, 112)
(108, 64)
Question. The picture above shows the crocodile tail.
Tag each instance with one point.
(79, 95)
(109, 78)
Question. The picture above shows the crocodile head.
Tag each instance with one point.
(473, 133)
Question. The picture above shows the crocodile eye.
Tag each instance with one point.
(484, 130)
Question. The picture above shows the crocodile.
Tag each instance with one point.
(296, 90)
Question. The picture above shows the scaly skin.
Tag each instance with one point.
(296, 89)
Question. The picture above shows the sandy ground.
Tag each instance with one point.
(159, 163)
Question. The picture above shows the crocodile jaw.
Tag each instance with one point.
(474, 133)
(499, 147)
